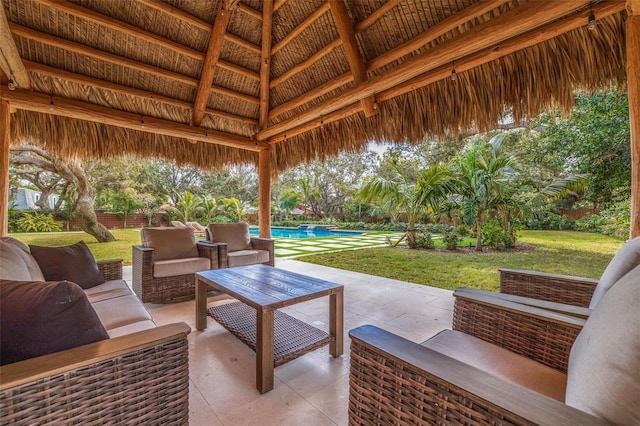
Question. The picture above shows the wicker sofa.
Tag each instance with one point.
(139, 374)
(505, 363)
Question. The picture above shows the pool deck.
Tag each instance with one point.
(292, 247)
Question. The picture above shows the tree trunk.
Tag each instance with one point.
(479, 233)
(411, 234)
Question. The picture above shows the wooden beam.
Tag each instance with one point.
(306, 63)
(315, 93)
(209, 66)
(264, 193)
(350, 44)
(5, 143)
(99, 54)
(177, 13)
(633, 90)
(238, 70)
(233, 94)
(519, 20)
(35, 67)
(375, 16)
(443, 27)
(107, 22)
(242, 42)
(300, 28)
(278, 4)
(40, 102)
(265, 62)
(10, 61)
(492, 53)
(250, 11)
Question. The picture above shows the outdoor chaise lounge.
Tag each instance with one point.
(236, 247)
(164, 266)
(572, 295)
(505, 363)
(87, 351)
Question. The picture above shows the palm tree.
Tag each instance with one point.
(209, 208)
(289, 201)
(233, 209)
(482, 175)
(187, 206)
(402, 194)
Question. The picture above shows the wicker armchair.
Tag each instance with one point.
(237, 248)
(164, 266)
(504, 363)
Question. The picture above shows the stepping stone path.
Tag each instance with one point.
(290, 247)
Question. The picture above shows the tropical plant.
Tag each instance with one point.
(126, 203)
(209, 208)
(289, 201)
(233, 209)
(38, 222)
(187, 205)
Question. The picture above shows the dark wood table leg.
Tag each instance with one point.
(336, 323)
(201, 304)
(264, 350)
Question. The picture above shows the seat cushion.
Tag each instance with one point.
(17, 263)
(500, 362)
(131, 328)
(604, 365)
(108, 290)
(39, 318)
(73, 263)
(247, 257)
(173, 267)
(627, 258)
(236, 235)
(169, 243)
(121, 311)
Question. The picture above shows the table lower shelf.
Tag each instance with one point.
(293, 338)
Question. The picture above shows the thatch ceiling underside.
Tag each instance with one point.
(146, 59)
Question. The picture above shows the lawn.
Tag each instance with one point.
(572, 253)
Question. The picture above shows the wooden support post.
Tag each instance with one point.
(5, 134)
(633, 86)
(264, 193)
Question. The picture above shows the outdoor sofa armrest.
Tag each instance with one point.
(210, 251)
(396, 381)
(223, 251)
(140, 378)
(562, 308)
(111, 269)
(539, 334)
(552, 287)
(265, 244)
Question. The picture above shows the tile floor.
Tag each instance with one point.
(313, 389)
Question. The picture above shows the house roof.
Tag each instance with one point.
(211, 83)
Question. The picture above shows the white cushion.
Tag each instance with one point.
(627, 258)
(17, 263)
(603, 377)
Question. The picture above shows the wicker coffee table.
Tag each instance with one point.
(275, 336)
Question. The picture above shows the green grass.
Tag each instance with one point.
(571, 253)
(119, 249)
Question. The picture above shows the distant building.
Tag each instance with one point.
(26, 199)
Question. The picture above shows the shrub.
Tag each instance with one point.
(424, 240)
(493, 235)
(38, 222)
(463, 230)
(590, 223)
(450, 239)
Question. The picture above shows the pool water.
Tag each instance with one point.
(280, 232)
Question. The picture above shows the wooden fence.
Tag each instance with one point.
(575, 214)
(116, 221)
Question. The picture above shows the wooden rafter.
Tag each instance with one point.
(35, 67)
(242, 43)
(375, 16)
(492, 53)
(350, 44)
(250, 11)
(300, 28)
(306, 63)
(177, 13)
(233, 94)
(40, 102)
(238, 70)
(208, 68)
(265, 62)
(521, 19)
(10, 61)
(277, 4)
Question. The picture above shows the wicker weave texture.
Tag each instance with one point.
(293, 338)
(151, 289)
(149, 386)
(384, 390)
(554, 288)
(541, 339)
(111, 269)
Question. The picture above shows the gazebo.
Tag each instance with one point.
(279, 82)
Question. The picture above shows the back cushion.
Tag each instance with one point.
(169, 243)
(627, 258)
(38, 318)
(236, 235)
(73, 262)
(604, 366)
(17, 263)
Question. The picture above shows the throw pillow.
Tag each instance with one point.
(38, 318)
(73, 263)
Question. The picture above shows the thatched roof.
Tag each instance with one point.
(308, 78)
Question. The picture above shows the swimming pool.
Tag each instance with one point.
(281, 232)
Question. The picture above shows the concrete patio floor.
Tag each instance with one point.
(313, 389)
